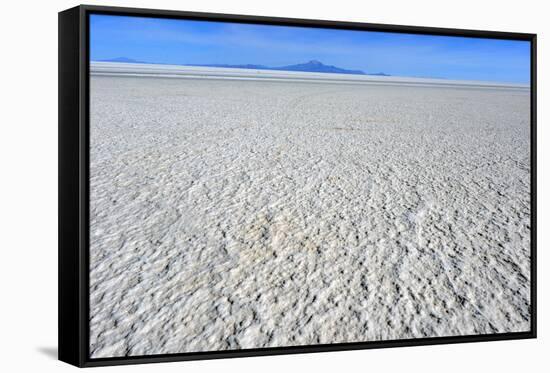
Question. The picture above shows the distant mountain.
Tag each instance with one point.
(122, 59)
(313, 66)
(318, 67)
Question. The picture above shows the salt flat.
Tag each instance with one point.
(230, 214)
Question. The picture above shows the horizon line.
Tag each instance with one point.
(385, 77)
(279, 68)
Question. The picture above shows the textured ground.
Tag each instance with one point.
(232, 214)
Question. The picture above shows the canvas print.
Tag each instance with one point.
(260, 186)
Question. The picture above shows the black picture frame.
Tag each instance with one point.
(73, 247)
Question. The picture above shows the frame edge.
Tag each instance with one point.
(307, 22)
(69, 247)
(533, 170)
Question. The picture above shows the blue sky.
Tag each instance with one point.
(202, 42)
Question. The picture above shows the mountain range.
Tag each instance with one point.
(310, 66)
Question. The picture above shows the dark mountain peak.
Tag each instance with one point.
(318, 67)
(315, 62)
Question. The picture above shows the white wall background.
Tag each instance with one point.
(28, 184)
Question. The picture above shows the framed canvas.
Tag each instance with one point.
(235, 186)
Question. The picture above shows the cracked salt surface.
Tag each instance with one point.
(230, 214)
